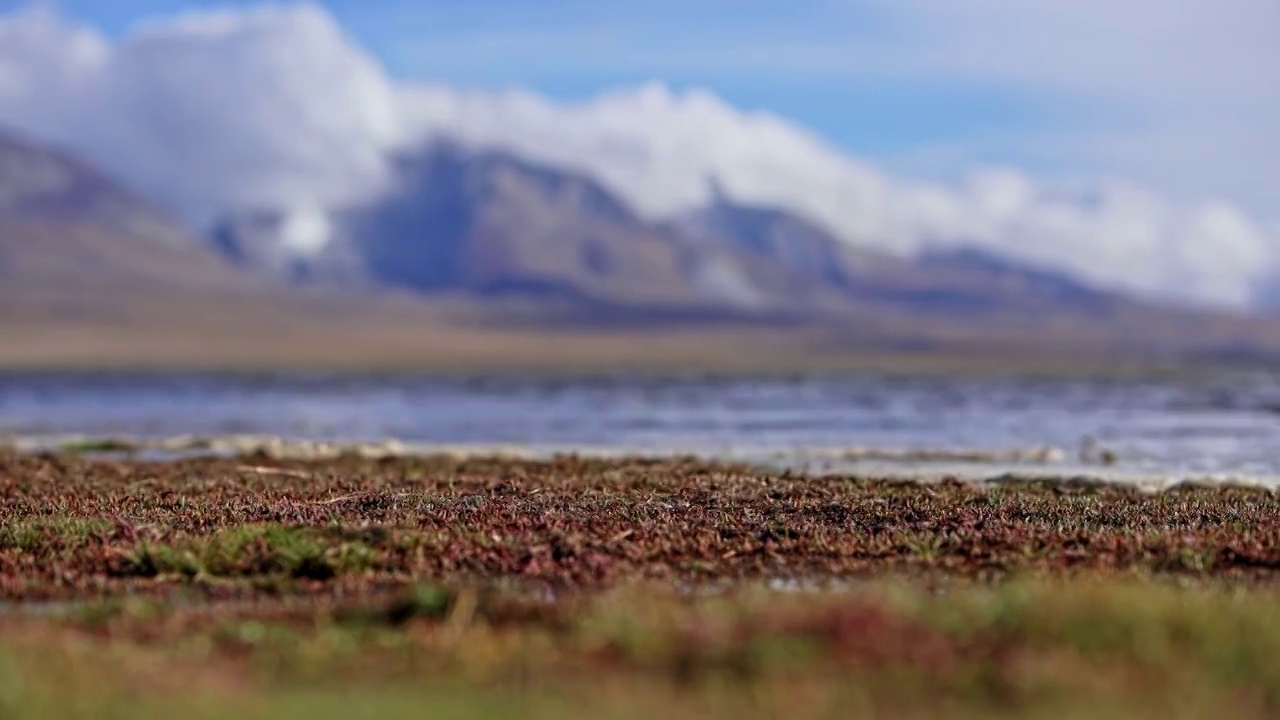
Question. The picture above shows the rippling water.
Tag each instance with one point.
(1222, 426)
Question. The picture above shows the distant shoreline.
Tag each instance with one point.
(558, 354)
(1045, 465)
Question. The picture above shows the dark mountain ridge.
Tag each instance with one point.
(491, 224)
(512, 244)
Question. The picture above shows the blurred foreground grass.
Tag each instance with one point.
(257, 587)
(1088, 647)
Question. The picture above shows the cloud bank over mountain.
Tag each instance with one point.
(208, 111)
(276, 106)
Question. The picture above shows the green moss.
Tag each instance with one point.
(269, 550)
(38, 533)
(97, 445)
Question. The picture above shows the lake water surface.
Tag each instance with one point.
(1185, 428)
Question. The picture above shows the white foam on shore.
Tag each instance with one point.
(995, 473)
(908, 465)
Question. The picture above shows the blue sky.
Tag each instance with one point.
(1183, 102)
(744, 50)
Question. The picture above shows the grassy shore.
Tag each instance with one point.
(485, 588)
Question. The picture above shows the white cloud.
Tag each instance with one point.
(658, 149)
(1177, 94)
(1185, 91)
(276, 106)
(208, 111)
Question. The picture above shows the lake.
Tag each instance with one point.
(1227, 426)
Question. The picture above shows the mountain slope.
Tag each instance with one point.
(65, 227)
(488, 224)
(795, 256)
(1001, 280)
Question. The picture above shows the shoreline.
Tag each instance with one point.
(885, 365)
(921, 465)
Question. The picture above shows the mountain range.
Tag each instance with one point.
(487, 223)
(517, 247)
